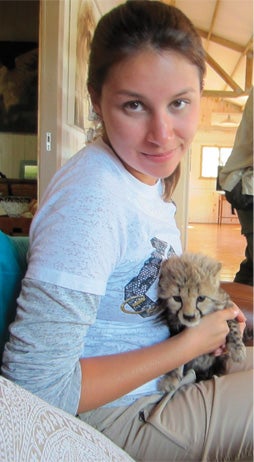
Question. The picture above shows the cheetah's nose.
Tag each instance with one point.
(189, 318)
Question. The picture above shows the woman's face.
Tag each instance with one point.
(150, 106)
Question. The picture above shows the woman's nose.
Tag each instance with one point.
(161, 129)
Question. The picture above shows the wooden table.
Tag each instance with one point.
(15, 226)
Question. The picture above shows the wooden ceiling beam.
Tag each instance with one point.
(223, 74)
(221, 41)
(249, 71)
(224, 93)
(248, 51)
(213, 21)
(245, 51)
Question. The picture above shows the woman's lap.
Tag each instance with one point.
(208, 421)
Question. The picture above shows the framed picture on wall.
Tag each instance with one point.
(84, 15)
(18, 87)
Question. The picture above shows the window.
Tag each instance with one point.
(28, 169)
(212, 158)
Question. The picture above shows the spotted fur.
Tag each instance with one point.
(189, 288)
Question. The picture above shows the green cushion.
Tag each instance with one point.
(13, 264)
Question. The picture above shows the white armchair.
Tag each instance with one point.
(33, 431)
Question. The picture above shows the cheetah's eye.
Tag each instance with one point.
(177, 298)
(201, 298)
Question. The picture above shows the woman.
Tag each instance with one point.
(85, 336)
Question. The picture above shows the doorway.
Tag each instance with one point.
(19, 45)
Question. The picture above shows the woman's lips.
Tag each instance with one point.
(161, 157)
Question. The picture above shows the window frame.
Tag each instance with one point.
(220, 160)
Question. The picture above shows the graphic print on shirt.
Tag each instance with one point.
(135, 292)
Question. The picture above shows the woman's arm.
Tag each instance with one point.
(106, 378)
(47, 340)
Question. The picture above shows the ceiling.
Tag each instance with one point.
(226, 28)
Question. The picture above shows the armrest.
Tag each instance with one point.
(242, 295)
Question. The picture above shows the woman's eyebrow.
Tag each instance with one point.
(129, 93)
(185, 91)
(134, 94)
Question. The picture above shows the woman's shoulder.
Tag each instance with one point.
(98, 153)
(95, 163)
(92, 166)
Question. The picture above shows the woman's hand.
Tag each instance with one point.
(242, 324)
(240, 318)
(210, 335)
(124, 372)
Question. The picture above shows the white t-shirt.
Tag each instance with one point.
(100, 230)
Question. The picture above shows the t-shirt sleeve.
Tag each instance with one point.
(47, 340)
(77, 247)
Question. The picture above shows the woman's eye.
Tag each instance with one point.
(134, 106)
(179, 104)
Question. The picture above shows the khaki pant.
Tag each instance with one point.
(208, 421)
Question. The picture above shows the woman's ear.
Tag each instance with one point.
(95, 100)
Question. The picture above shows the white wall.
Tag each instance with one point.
(203, 198)
(15, 147)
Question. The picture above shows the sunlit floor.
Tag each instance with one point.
(223, 242)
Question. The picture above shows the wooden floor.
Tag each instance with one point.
(223, 242)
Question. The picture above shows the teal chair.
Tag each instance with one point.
(13, 264)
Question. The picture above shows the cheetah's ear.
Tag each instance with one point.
(166, 266)
(215, 268)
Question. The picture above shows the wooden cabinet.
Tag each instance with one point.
(16, 187)
(15, 226)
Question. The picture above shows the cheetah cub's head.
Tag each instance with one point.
(189, 287)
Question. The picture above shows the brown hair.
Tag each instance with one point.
(135, 25)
